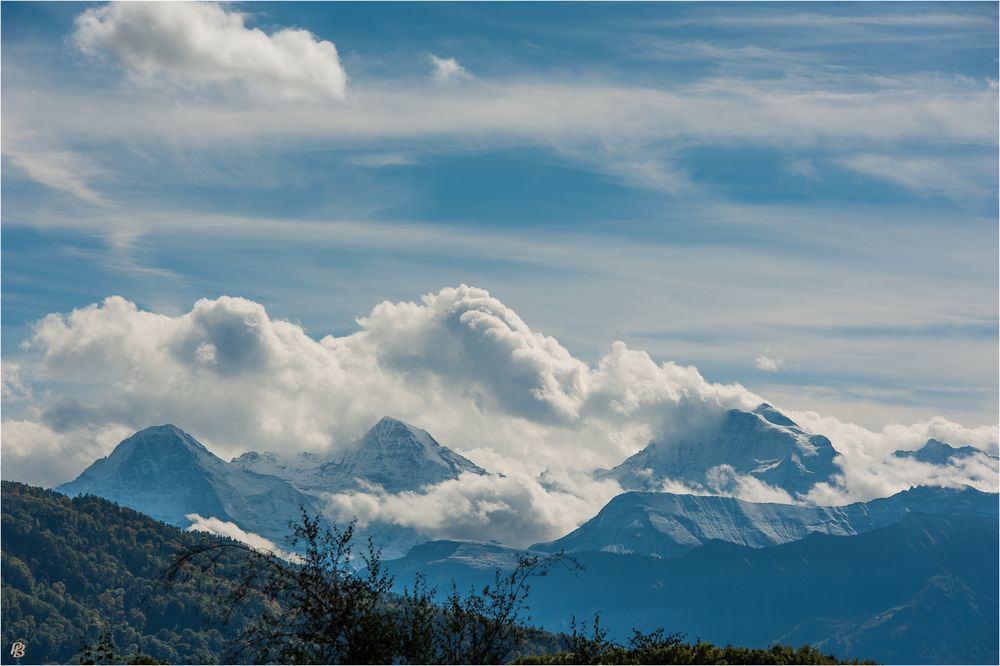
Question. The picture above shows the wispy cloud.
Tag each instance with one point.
(62, 170)
(956, 177)
(785, 19)
(384, 159)
(637, 131)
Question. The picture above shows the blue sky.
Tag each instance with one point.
(801, 198)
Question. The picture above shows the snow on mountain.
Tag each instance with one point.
(167, 474)
(763, 443)
(393, 454)
(935, 452)
(668, 525)
(302, 470)
(164, 472)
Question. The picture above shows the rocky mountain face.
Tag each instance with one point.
(763, 443)
(668, 525)
(165, 473)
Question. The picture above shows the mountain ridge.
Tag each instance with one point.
(668, 524)
(936, 452)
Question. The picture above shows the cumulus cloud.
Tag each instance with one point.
(36, 453)
(233, 531)
(870, 470)
(459, 363)
(447, 69)
(203, 44)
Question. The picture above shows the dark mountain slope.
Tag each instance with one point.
(921, 591)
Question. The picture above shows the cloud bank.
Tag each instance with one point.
(203, 44)
(459, 363)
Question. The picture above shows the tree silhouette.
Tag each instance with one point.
(323, 606)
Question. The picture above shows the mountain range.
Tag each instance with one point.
(920, 591)
(164, 472)
(668, 525)
(690, 562)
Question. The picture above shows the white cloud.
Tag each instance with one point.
(37, 453)
(459, 363)
(199, 44)
(517, 509)
(233, 531)
(713, 111)
(769, 362)
(632, 132)
(725, 481)
(870, 469)
(447, 69)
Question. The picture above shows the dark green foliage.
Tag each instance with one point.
(323, 609)
(659, 647)
(74, 568)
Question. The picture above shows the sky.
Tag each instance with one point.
(722, 203)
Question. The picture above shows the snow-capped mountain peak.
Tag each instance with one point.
(763, 443)
(392, 454)
(166, 473)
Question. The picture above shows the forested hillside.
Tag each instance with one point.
(75, 567)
